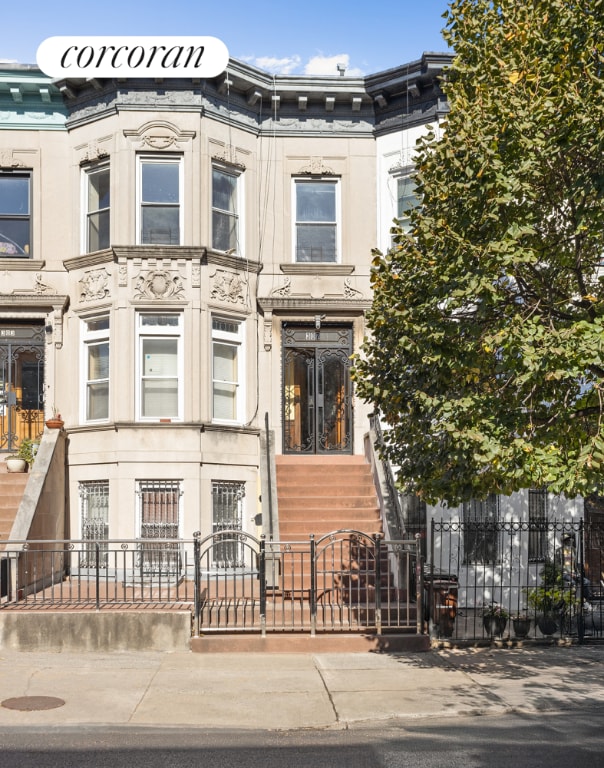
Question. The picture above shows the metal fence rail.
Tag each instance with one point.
(515, 579)
(96, 573)
(345, 581)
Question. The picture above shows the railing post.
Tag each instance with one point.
(419, 584)
(262, 577)
(196, 581)
(313, 587)
(269, 481)
(581, 572)
(97, 573)
(377, 541)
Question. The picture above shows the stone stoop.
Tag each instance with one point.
(12, 487)
(321, 494)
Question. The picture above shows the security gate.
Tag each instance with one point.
(345, 581)
(21, 384)
(317, 403)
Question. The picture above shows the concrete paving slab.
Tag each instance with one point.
(285, 691)
(300, 709)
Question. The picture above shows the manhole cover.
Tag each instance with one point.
(32, 703)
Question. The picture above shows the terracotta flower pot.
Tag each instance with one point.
(55, 423)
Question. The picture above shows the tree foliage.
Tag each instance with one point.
(486, 355)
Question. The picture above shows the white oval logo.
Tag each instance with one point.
(123, 56)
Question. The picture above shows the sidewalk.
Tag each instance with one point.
(285, 691)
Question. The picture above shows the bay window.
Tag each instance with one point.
(160, 371)
(159, 196)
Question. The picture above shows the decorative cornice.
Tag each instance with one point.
(233, 262)
(158, 252)
(89, 260)
(313, 305)
(53, 301)
(24, 265)
(159, 135)
(312, 268)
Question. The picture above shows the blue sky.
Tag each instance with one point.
(283, 37)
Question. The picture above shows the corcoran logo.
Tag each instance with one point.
(122, 56)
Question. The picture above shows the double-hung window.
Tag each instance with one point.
(317, 206)
(96, 368)
(159, 366)
(160, 196)
(96, 208)
(227, 370)
(226, 210)
(406, 200)
(15, 214)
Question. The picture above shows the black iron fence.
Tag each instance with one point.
(96, 572)
(482, 581)
(515, 579)
(345, 581)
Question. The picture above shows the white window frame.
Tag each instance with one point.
(141, 160)
(338, 216)
(144, 332)
(404, 220)
(87, 173)
(236, 339)
(239, 209)
(93, 338)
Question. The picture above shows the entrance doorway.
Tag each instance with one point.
(317, 402)
(21, 384)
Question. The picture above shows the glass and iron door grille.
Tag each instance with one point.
(94, 515)
(21, 384)
(159, 504)
(227, 515)
(317, 394)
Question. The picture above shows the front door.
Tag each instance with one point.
(21, 384)
(317, 402)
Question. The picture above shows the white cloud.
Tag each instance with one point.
(285, 66)
(291, 65)
(328, 65)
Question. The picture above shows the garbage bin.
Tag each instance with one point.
(441, 591)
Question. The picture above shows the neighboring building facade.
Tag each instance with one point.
(181, 261)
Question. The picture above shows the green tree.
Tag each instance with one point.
(486, 354)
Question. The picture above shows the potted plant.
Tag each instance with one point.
(19, 462)
(55, 421)
(494, 619)
(554, 598)
(522, 624)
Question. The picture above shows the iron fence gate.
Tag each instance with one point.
(344, 581)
